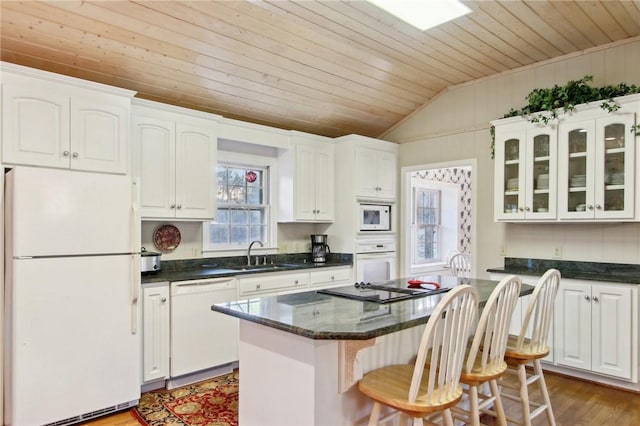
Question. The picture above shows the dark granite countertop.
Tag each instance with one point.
(325, 317)
(591, 271)
(196, 269)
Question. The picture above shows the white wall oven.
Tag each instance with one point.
(375, 260)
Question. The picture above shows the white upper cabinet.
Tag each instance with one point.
(176, 161)
(581, 168)
(525, 166)
(50, 120)
(306, 180)
(376, 173)
(597, 171)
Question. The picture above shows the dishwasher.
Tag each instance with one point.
(201, 338)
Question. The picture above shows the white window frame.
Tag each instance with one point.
(271, 240)
(414, 233)
(449, 200)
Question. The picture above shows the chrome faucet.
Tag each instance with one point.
(249, 250)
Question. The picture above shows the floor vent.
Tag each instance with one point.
(94, 414)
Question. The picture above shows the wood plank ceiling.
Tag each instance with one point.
(324, 67)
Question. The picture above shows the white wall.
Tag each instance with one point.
(292, 238)
(455, 126)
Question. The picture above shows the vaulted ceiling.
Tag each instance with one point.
(324, 67)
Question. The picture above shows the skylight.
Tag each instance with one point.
(423, 14)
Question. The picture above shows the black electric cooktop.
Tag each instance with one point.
(383, 292)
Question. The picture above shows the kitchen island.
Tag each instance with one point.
(301, 354)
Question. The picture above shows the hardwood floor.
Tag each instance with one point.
(575, 403)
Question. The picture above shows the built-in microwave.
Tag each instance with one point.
(375, 217)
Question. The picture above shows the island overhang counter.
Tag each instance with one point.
(300, 354)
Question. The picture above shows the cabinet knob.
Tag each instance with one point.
(595, 299)
(173, 206)
(179, 206)
(65, 154)
(589, 207)
(332, 278)
(74, 155)
(520, 209)
(257, 286)
(296, 282)
(164, 299)
(527, 209)
(587, 298)
(598, 207)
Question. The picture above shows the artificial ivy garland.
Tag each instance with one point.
(544, 103)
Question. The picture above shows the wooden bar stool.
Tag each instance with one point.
(432, 384)
(485, 357)
(523, 350)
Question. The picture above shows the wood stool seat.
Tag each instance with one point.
(390, 385)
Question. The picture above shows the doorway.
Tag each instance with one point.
(438, 220)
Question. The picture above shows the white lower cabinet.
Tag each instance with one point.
(596, 327)
(331, 277)
(155, 331)
(291, 281)
(272, 282)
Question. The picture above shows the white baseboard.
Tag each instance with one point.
(187, 379)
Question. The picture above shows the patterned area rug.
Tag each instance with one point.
(212, 402)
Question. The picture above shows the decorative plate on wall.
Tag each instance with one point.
(166, 238)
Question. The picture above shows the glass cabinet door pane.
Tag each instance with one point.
(511, 175)
(541, 173)
(577, 170)
(614, 136)
(614, 159)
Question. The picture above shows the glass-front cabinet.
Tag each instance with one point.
(581, 167)
(525, 172)
(596, 170)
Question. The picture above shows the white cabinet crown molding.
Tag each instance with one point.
(257, 134)
(59, 78)
(139, 105)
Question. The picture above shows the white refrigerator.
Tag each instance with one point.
(72, 280)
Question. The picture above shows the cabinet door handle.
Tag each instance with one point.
(257, 286)
(589, 207)
(173, 206)
(527, 209)
(520, 209)
(595, 299)
(74, 155)
(333, 278)
(164, 299)
(587, 298)
(598, 207)
(296, 282)
(65, 154)
(179, 206)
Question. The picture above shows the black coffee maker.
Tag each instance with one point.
(319, 248)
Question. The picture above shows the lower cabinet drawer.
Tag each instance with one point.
(331, 276)
(272, 282)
